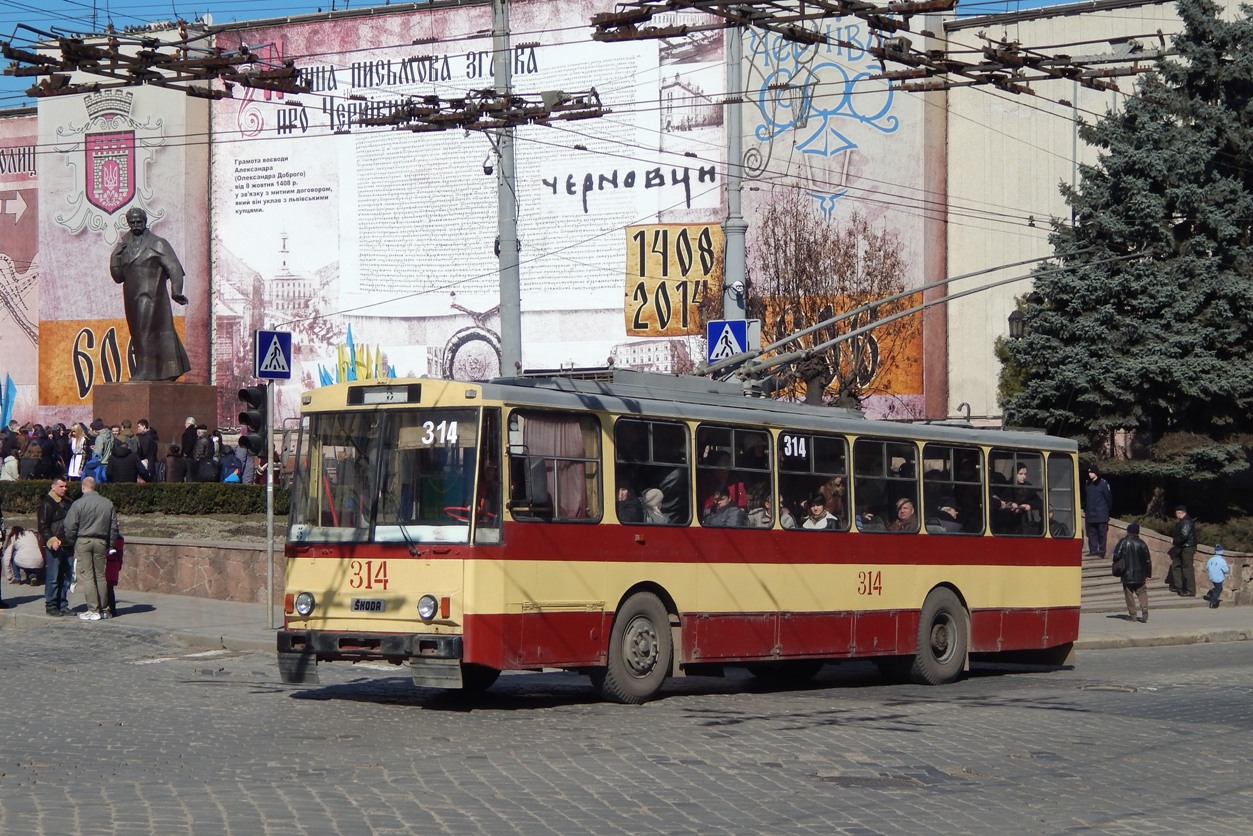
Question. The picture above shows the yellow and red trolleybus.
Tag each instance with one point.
(637, 526)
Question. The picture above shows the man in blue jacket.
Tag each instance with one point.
(1097, 504)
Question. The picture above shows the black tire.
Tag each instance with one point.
(475, 679)
(640, 652)
(786, 670)
(943, 637)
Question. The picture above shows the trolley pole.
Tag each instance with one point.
(507, 244)
(735, 227)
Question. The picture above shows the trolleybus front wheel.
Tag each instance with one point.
(640, 652)
(943, 637)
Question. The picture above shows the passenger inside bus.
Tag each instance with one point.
(867, 520)
(819, 518)
(629, 508)
(723, 513)
(906, 518)
(1025, 503)
(999, 504)
(760, 509)
(652, 501)
(833, 491)
(717, 476)
(946, 519)
(754, 456)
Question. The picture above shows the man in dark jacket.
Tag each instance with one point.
(1137, 568)
(147, 438)
(1097, 505)
(53, 507)
(125, 466)
(1182, 577)
(189, 437)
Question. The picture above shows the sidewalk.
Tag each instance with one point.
(206, 624)
(200, 623)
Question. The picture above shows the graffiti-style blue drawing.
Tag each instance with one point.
(816, 93)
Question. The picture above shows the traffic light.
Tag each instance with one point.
(253, 421)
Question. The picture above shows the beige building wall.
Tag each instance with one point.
(1007, 157)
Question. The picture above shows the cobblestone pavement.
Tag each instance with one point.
(119, 732)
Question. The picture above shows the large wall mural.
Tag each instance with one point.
(314, 223)
(819, 123)
(19, 267)
(320, 223)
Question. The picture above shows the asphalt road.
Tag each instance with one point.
(119, 732)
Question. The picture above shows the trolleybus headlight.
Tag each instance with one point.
(305, 603)
(427, 607)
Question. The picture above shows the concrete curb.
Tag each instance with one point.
(1195, 637)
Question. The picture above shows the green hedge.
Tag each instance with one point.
(196, 498)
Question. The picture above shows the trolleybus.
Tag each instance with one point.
(634, 527)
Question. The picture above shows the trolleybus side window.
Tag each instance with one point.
(885, 489)
(1061, 507)
(812, 466)
(733, 464)
(554, 466)
(952, 489)
(651, 466)
(1015, 492)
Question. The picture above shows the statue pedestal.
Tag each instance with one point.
(166, 405)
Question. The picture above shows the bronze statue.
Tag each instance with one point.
(142, 262)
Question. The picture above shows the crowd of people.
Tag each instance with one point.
(80, 544)
(123, 452)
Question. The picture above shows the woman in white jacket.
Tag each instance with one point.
(79, 448)
(9, 469)
(23, 558)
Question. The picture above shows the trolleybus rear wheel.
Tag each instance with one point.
(640, 652)
(942, 639)
(475, 679)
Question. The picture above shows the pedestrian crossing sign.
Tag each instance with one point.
(728, 337)
(273, 355)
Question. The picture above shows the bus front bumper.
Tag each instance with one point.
(434, 658)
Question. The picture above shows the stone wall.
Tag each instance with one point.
(200, 569)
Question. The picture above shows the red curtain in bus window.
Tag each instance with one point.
(550, 437)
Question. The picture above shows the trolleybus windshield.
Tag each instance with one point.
(386, 476)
